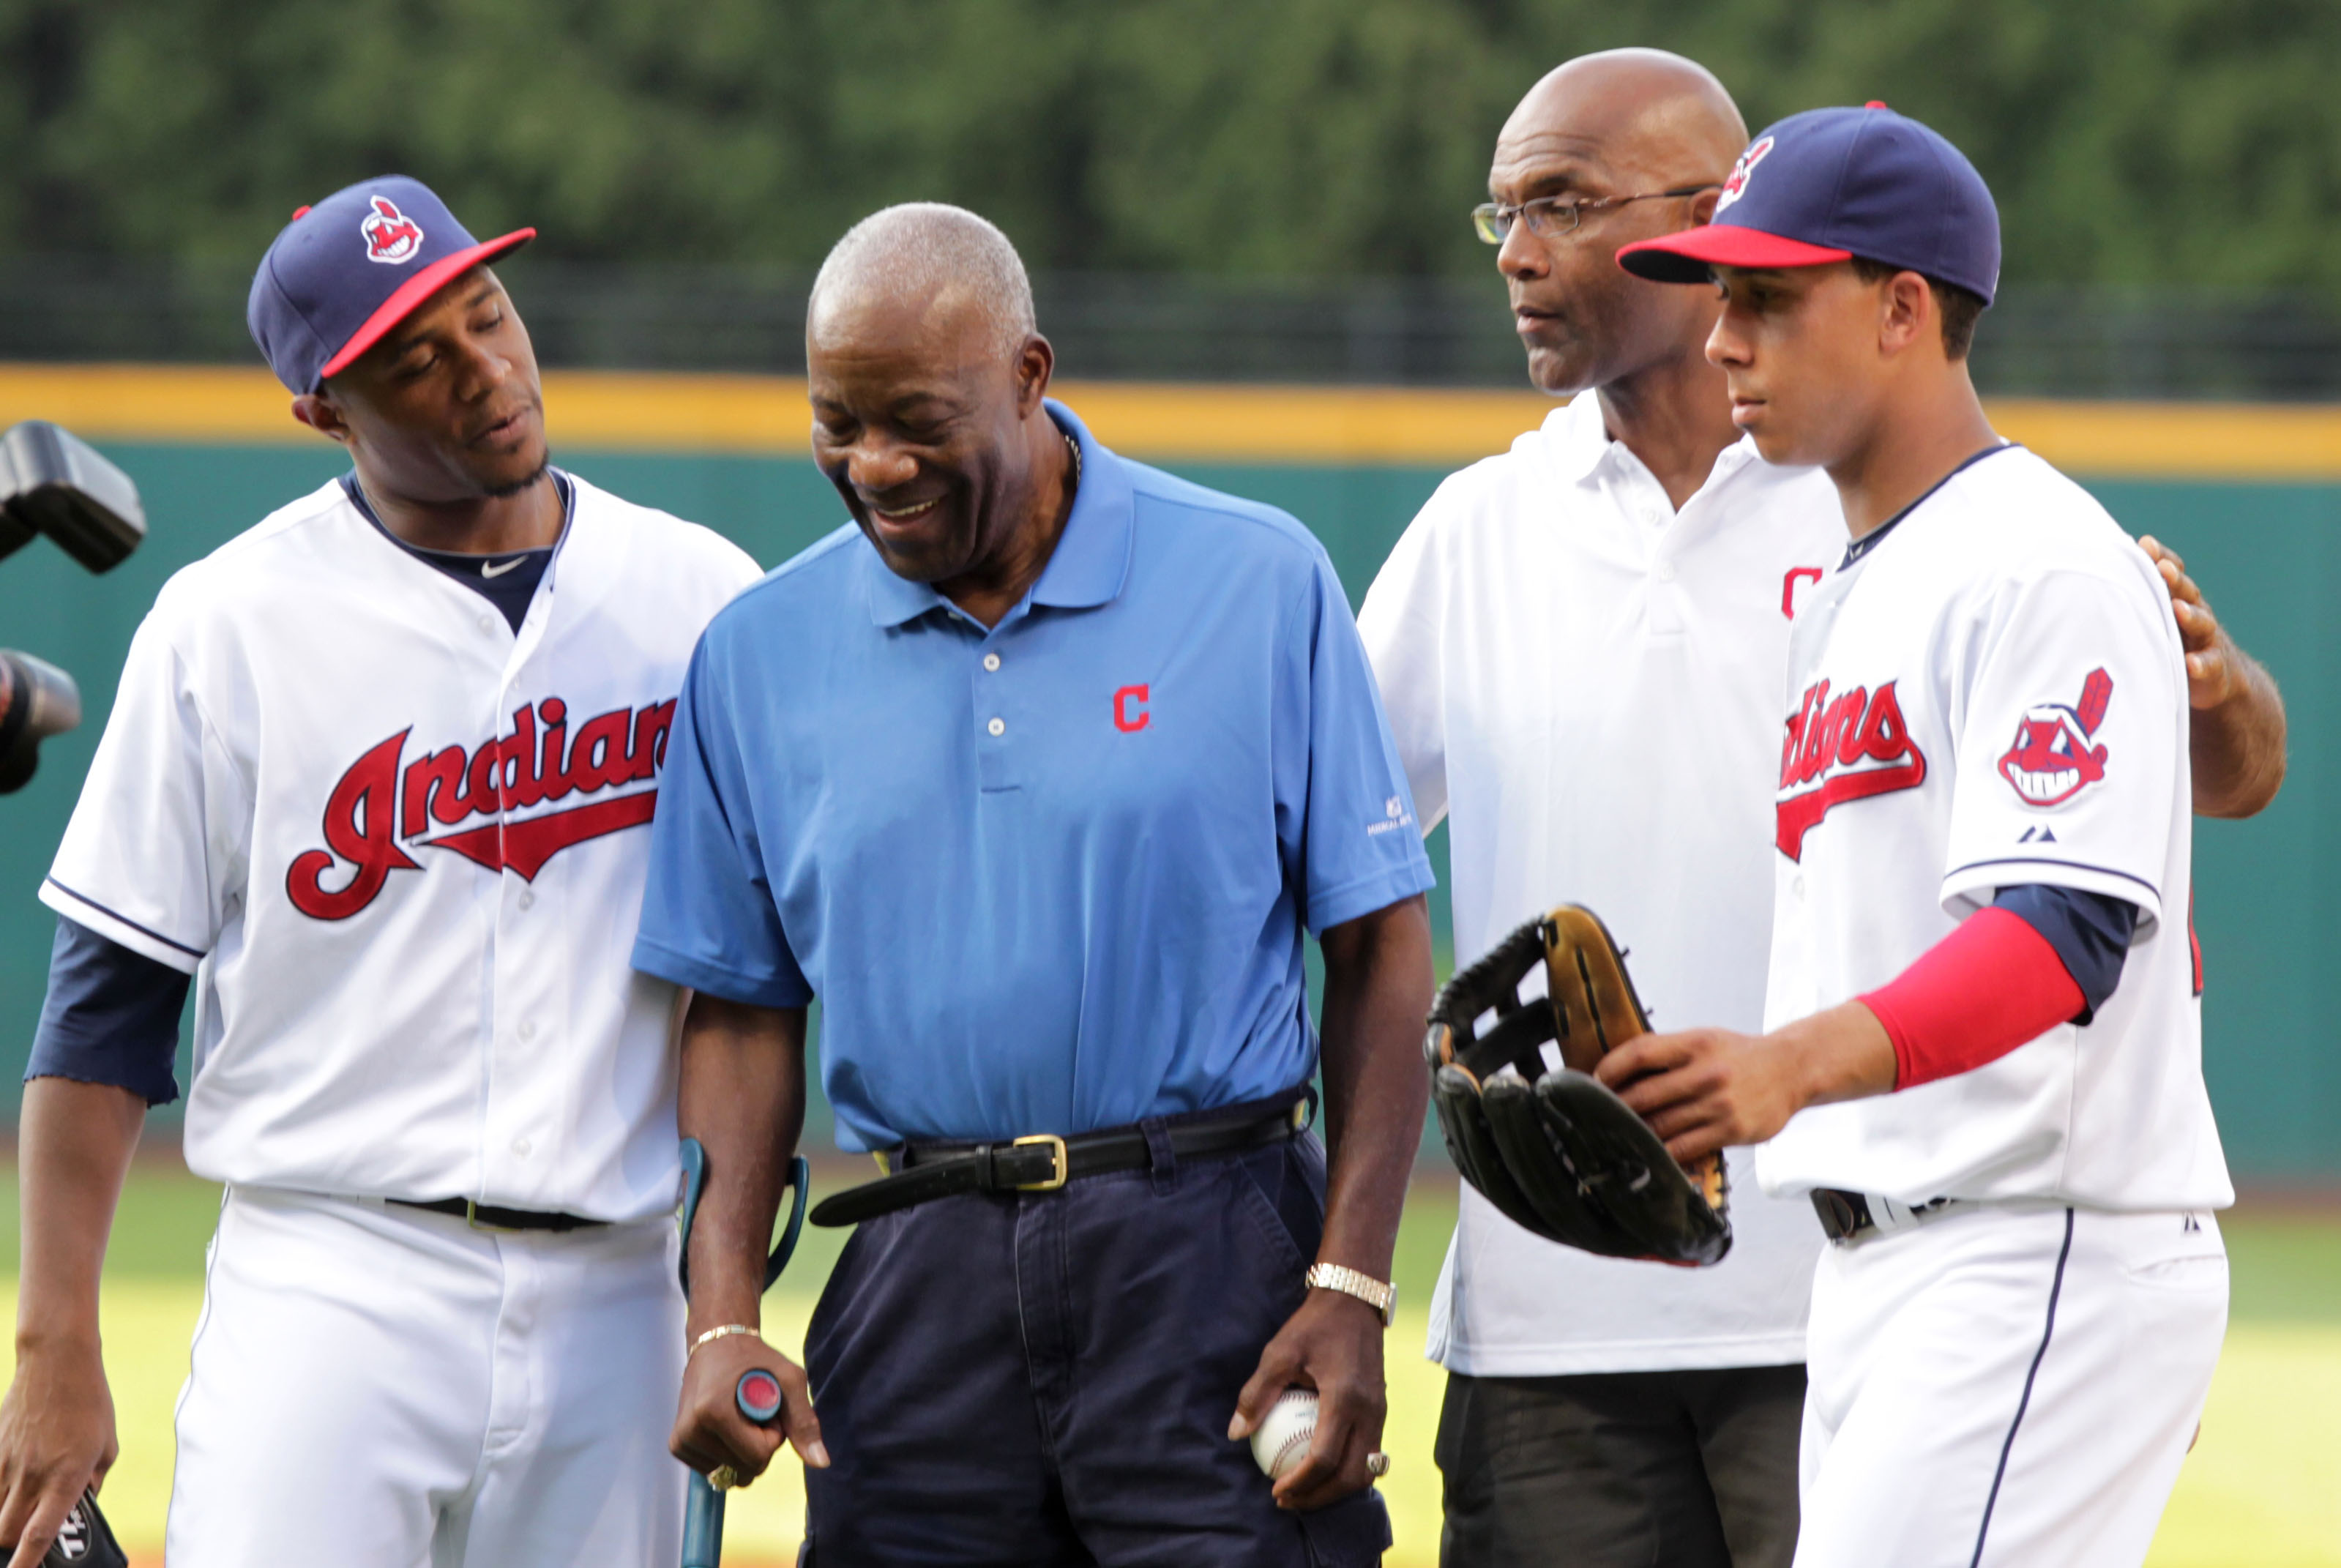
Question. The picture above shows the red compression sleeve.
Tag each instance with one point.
(1973, 997)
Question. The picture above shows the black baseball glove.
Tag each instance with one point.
(84, 1540)
(1555, 1150)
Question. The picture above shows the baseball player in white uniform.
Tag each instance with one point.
(1598, 1410)
(1983, 1055)
(378, 777)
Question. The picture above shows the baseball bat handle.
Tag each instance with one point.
(758, 1395)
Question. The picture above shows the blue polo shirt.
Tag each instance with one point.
(1050, 876)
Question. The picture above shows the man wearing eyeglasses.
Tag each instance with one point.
(1598, 1411)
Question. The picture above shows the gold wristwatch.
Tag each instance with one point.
(1374, 1293)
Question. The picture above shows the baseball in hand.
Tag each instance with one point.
(1285, 1432)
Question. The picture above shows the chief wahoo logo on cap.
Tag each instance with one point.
(390, 235)
(1746, 166)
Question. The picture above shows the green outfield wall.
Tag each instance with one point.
(2268, 554)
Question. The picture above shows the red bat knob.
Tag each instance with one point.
(758, 1395)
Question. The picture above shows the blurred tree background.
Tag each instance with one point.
(2131, 142)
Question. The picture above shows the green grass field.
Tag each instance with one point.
(2262, 1490)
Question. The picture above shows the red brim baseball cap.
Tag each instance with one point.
(1685, 257)
(345, 272)
(1831, 184)
(415, 290)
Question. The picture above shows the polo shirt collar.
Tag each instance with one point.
(1088, 566)
(1578, 435)
(1579, 444)
(1092, 556)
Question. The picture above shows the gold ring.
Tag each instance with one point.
(724, 1478)
(1377, 1464)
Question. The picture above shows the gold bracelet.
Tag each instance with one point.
(728, 1330)
(1376, 1294)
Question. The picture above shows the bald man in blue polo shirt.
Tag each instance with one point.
(1035, 776)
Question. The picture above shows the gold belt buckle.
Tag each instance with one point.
(1062, 1167)
(471, 1218)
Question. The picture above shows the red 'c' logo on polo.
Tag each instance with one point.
(1129, 715)
(1795, 574)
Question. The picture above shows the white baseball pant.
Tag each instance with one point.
(380, 1387)
(2006, 1387)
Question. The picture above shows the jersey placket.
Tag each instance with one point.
(529, 985)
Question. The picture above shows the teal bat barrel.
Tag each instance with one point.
(702, 1525)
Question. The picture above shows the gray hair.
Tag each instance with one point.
(932, 248)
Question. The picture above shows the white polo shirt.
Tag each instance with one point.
(1586, 684)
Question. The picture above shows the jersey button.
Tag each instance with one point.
(998, 726)
(992, 661)
(527, 1029)
(1796, 887)
(520, 1146)
(486, 623)
(527, 899)
(1665, 571)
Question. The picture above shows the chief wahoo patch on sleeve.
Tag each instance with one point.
(2052, 760)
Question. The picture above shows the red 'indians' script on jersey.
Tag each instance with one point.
(373, 809)
(1842, 748)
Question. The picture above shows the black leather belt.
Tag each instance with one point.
(1847, 1217)
(1844, 1215)
(921, 1173)
(488, 1217)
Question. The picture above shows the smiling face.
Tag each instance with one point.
(448, 408)
(1802, 354)
(1620, 124)
(923, 425)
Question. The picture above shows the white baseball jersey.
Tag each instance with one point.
(402, 849)
(1991, 693)
(1582, 681)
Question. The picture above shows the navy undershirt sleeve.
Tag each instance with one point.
(112, 1016)
(2090, 931)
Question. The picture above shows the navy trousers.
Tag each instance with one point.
(1043, 1379)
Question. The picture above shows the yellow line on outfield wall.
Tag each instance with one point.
(625, 411)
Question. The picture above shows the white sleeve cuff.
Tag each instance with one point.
(118, 928)
(1977, 882)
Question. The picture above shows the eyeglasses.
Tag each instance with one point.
(1549, 217)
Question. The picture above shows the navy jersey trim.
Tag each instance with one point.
(1871, 539)
(508, 580)
(2151, 891)
(2055, 1289)
(117, 915)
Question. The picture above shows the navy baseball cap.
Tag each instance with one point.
(1830, 185)
(344, 272)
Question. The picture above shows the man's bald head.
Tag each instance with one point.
(934, 261)
(1638, 110)
(1614, 131)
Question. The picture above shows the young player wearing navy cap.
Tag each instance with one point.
(1600, 1411)
(1984, 1050)
(379, 778)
